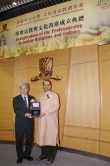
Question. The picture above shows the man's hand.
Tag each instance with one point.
(28, 115)
(42, 114)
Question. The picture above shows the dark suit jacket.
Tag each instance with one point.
(20, 110)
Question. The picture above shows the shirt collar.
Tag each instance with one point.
(24, 96)
(48, 92)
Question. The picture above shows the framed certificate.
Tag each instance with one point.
(35, 109)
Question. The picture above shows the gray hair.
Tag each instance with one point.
(25, 84)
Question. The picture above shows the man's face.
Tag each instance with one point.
(46, 86)
(23, 90)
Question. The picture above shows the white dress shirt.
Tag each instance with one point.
(26, 99)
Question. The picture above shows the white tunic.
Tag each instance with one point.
(47, 133)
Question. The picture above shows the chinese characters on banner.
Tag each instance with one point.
(66, 25)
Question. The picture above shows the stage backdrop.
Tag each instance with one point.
(84, 91)
(70, 24)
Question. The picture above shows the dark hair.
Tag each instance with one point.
(48, 81)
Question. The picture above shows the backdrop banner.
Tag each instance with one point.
(66, 25)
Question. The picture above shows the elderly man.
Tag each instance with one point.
(23, 122)
(47, 135)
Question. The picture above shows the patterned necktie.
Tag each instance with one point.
(25, 102)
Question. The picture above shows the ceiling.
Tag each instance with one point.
(9, 10)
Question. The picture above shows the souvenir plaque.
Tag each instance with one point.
(35, 109)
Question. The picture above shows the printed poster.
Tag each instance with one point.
(66, 25)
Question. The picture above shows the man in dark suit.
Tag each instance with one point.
(23, 122)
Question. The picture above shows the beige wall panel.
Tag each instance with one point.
(8, 117)
(105, 136)
(35, 87)
(19, 73)
(6, 125)
(20, 63)
(80, 132)
(83, 96)
(19, 77)
(6, 91)
(104, 56)
(7, 113)
(7, 65)
(59, 57)
(84, 54)
(104, 52)
(105, 149)
(34, 140)
(7, 135)
(6, 95)
(80, 144)
(105, 94)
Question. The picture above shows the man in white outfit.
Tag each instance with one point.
(47, 134)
